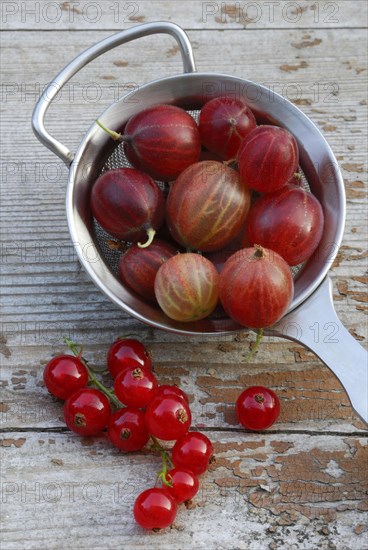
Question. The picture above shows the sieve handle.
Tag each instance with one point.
(316, 325)
(54, 87)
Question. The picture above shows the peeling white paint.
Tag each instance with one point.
(333, 469)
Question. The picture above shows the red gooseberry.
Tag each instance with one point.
(186, 287)
(223, 124)
(256, 287)
(267, 158)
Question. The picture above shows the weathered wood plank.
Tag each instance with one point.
(264, 491)
(311, 398)
(192, 14)
(278, 52)
(282, 488)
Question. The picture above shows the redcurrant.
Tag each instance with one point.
(168, 417)
(127, 429)
(64, 375)
(135, 386)
(154, 509)
(127, 352)
(165, 389)
(257, 408)
(184, 486)
(192, 451)
(87, 411)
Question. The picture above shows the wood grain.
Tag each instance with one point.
(312, 399)
(191, 14)
(263, 489)
(301, 484)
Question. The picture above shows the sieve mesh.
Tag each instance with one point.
(110, 248)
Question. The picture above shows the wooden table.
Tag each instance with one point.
(303, 483)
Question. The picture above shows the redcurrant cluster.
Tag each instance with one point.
(136, 410)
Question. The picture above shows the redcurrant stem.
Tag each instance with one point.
(156, 444)
(165, 460)
(251, 354)
(114, 400)
(77, 351)
(162, 475)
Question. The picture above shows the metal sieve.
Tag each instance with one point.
(312, 306)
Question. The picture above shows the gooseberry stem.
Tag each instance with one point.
(151, 234)
(259, 253)
(257, 342)
(116, 136)
(229, 161)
